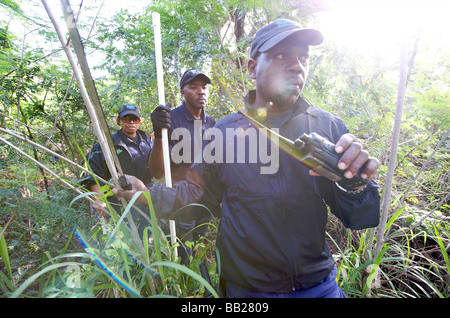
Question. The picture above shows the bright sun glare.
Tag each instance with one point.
(377, 26)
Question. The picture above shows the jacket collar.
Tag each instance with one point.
(119, 138)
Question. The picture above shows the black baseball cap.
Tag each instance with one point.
(129, 110)
(273, 33)
(192, 74)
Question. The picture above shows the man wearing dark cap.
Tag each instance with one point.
(133, 147)
(192, 117)
(271, 238)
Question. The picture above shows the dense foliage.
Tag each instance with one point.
(42, 255)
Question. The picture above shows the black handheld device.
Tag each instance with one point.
(318, 154)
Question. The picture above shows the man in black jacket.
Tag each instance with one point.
(192, 119)
(273, 208)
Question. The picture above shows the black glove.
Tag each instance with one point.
(161, 118)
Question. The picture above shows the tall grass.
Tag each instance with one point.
(41, 258)
(114, 264)
(414, 263)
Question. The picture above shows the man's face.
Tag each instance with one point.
(281, 72)
(195, 94)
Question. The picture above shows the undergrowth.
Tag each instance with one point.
(53, 245)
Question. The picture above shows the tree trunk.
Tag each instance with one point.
(403, 80)
(239, 22)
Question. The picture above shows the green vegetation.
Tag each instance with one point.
(51, 243)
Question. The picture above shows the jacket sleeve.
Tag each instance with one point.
(356, 211)
(96, 162)
(201, 186)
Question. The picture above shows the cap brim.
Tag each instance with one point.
(202, 77)
(305, 36)
(130, 112)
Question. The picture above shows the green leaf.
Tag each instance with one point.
(4, 254)
(189, 272)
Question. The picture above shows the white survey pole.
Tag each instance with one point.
(162, 101)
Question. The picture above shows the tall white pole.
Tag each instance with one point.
(162, 101)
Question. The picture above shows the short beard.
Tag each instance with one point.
(285, 100)
(286, 95)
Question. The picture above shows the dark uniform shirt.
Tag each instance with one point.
(194, 129)
(133, 155)
(180, 117)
